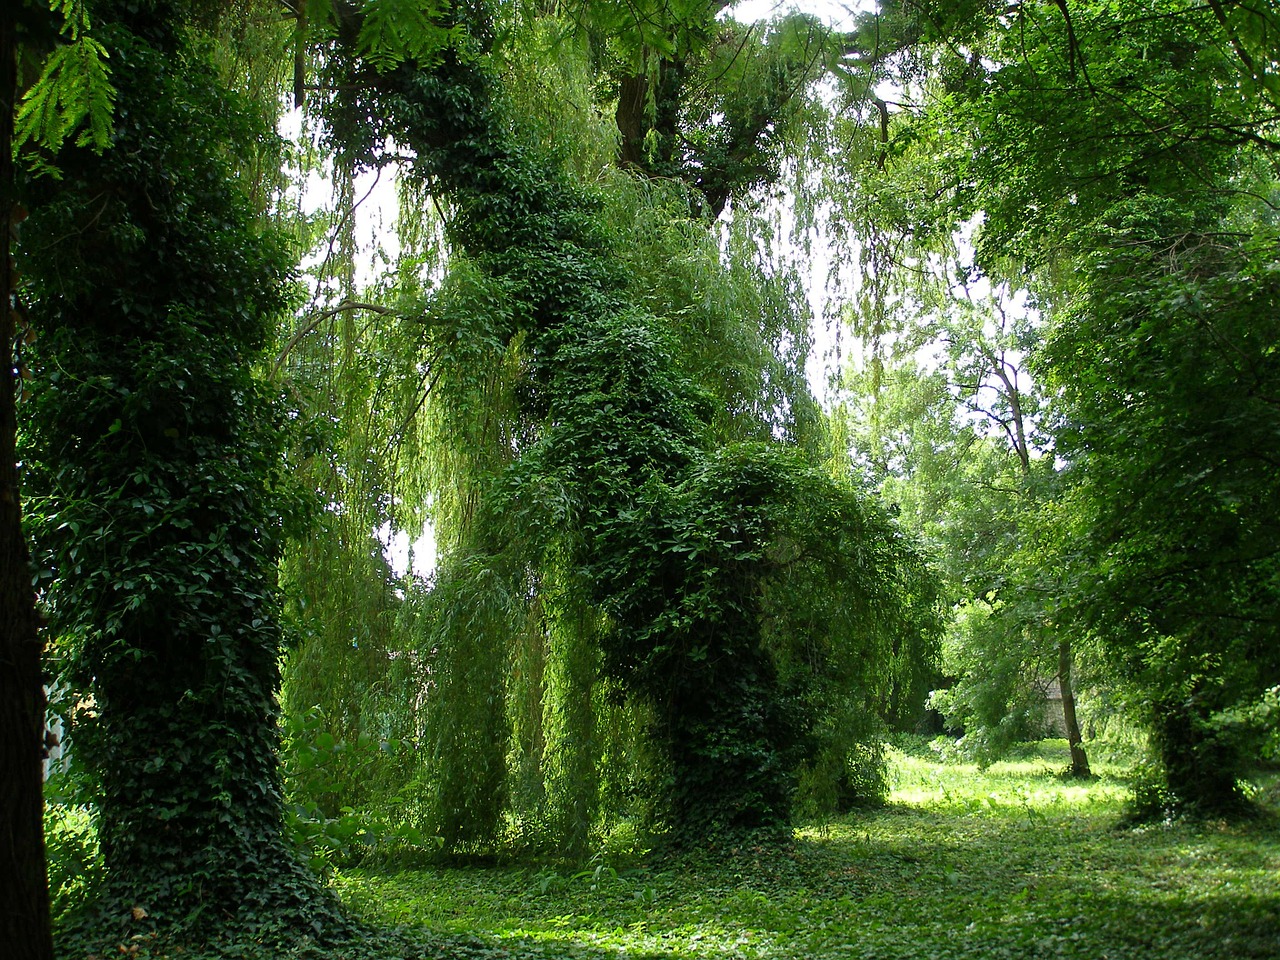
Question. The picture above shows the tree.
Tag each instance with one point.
(159, 495)
(1165, 429)
(704, 99)
(24, 919)
(989, 370)
(71, 90)
(948, 423)
(1123, 164)
(601, 496)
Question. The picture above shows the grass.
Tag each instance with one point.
(1007, 862)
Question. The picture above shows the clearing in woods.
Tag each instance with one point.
(964, 863)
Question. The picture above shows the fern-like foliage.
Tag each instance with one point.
(75, 17)
(395, 31)
(73, 93)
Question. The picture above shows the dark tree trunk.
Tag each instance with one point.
(631, 121)
(161, 450)
(1079, 761)
(24, 889)
(649, 107)
(1200, 764)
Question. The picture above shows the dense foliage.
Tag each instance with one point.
(1117, 168)
(158, 492)
(667, 602)
(705, 575)
(1183, 497)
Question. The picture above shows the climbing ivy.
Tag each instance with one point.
(730, 588)
(160, 497)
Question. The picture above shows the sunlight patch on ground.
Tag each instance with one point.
(964, 864)
(1034, 784)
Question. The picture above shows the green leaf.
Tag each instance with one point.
(74, 92)
(394, 31)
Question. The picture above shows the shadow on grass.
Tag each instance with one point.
(900, 884)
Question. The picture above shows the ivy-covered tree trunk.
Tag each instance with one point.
(24, 889)
(160, 495)
(705, 566)
(1200, 761)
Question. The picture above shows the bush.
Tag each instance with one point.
(74, 860)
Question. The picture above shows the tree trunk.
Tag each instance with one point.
(1079, 762)
(1200, 765)
(24, 888)
(649, 104)
(161, 450)
(632, 93)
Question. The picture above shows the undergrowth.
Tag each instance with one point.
(1014, 861)
(1011, 861)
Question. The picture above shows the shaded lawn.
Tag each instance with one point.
(963, 864)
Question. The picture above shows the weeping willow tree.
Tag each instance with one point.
(350, 361)
(644, 553)
(501, 669)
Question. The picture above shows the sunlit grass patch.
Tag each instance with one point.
(964, 864)
(1033, 782)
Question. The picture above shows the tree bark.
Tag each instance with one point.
(1079, 761)
(24, 889)
(631, 122)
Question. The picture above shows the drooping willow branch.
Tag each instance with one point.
(321, 317)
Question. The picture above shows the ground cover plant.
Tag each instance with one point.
(1010, 861)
